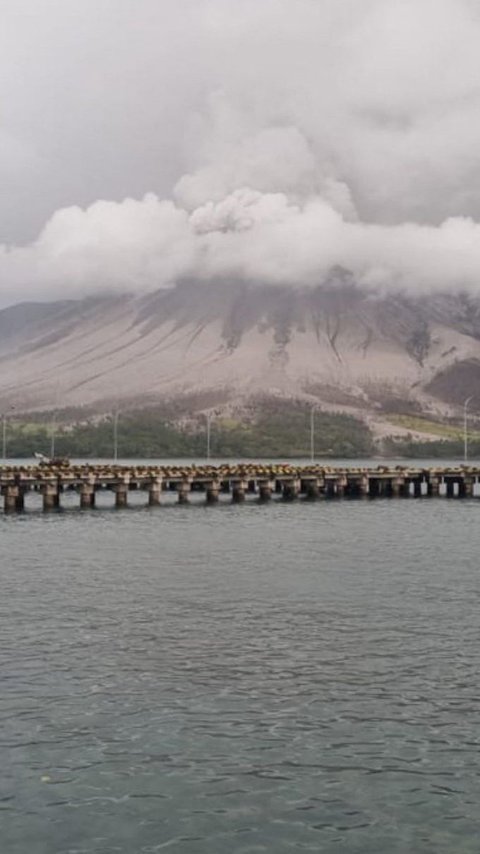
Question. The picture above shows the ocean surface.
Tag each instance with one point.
(231, 680)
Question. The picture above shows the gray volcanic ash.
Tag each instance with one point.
(337, 344)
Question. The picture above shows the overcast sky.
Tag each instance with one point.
(144, 140)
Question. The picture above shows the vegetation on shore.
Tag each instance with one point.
(440, 449)
(444, 430)
(274, 431)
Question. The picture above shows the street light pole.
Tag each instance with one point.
(312, 434)
(53, 429)
(465, 430)
(209, 421)
(4, 435)
(115, 436)
(53, 424)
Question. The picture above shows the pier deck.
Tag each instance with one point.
(235, 481)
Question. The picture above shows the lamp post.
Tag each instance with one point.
(209, 422)
(4, 434)
(53, 424)
(53, 429)
(115, 436)
(4, 438)
(465, 430)
(312, 434)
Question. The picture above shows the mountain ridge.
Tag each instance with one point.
(339, 346)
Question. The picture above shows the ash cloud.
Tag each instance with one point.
(268, 140)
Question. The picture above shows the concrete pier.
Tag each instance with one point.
(236, 482)
(121, 492)
(212, 492)
(87, 496)
(183, 490)
(312, 489)
(291, 489)
(155, 492)
(239, 489)
(51, 496)
(265, 488)
(398, 486)
(13, 499)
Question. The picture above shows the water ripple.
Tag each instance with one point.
(301, 678)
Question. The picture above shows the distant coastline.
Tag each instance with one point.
(284, 432)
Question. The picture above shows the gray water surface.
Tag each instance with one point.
(241, 679)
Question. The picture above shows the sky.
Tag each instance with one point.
(144, 141)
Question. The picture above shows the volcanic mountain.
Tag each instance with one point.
(217, 344)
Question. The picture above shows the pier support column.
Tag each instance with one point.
(154, 492)
(87, 496)
(468, 487)
(238, 491)
(291, 489)
(433, 486)
(364, 486)
(340, 486)
(13, 499)
(121, 493)
(213, 488)
(51, 496)
(312, 490)
(183, 491)
(265, 488)
(398, 486)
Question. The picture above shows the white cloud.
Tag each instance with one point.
(277, 139)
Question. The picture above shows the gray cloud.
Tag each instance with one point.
(146, 140)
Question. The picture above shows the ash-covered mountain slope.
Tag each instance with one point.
(337, 343)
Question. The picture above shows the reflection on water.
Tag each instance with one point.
(241, 679)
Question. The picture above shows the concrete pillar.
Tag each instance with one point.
(433, 486)
(340, 485)
(51, 496)
(213, 488)
(468, 487)
(87, 495)
(398, 487)
(238, 491)
(312, 489)
(12, 499)
(154, 491)
(121, 492)
(364, 486)
(291, 489)
(183, 490)
(265, 489)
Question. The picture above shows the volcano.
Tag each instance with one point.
(337, 345)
